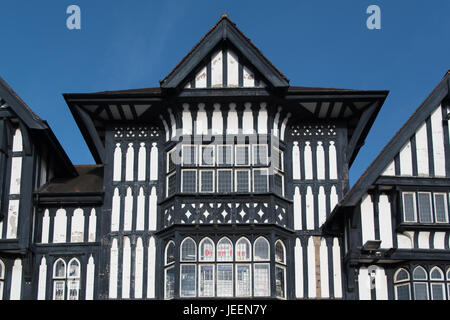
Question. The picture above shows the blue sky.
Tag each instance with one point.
(134, 44)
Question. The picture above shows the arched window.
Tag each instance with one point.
(420, 285)
(261, 249)
(243, 250)
(401, 285)
(66, 276)
(225, 250)
(206, 250)
(280, 269)
(437, 284)
(188, 250)
(280, 252)
(74, 279)
(2, 278)
(170, 253)
(169, 271)
(59, 280)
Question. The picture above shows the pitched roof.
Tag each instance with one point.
(224, 29)
(394, 146)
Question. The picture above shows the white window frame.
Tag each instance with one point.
(284, 252)
(285, 284)
(235, 180)
(200, 259)
(165, 253)
(253, 177)
(167, 183)
(230, 146)
(254, 250)
(195, 155)
(181, 251)
(281, 174)
(196, 179)
(195, 280)
(59, 279)
(2, 278)
(250, 278)
(168, 160)
(236, 153)
(232, 280)
(231, 179)
(445, 207)
(414, 206)
(172, 267)
(431, 205)
(402, 284)
(281, 165)
(268, 288)
(200, 155)
(232, 248)
(427, 288)
(254, 153)
(236, 251)
(213, 266)
(213, 181)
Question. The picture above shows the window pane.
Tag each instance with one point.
(74, 269)
(279, 252)
(170, 253)
(1, 289)
(189, 155)
(243, 250)
(242, 180)
(224, 183)
(60, 269)
(206, 250)
(206, 181)
(436, 274)
(224, 280)
(402, 275)
(260, 180)
(424, 207)
(277, 158)
(225, 250)
(261, 280)
(278, 183)
(437, 291)
(206, 287)
(421, 291)
(170, 283)
(207, 155)
(242, 155)
(279, 281)
(403, 292)
(74, 289)
(224, 155)
(409, 207)
(189, 181)
(440, 206)
(243, 282)
(171, 161)
(188, 250)
(261, 249)
(58, 290)
(260, 155)
(171, 184)
(2, 271)
(419, 274)
(187, 279)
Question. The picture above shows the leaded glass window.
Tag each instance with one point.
(242, 155)
(206, 281)
(206, 250)
(224, 280)
(189, 155)
(189, 181)
(440, 207)
(224, 155)
(261, 249)
(425, 215)
(409, 207)
(2, 278)
(243, 280)
(224, 181)
(242, 180)
(188, 250)
(260, 180)
(206, 180)
(207, 156)
(225, 250)
(187, 280)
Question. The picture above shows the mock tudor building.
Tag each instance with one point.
(224, 182)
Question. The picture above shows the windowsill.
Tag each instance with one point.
(223, 196)
(417, 226)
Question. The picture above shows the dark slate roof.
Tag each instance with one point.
(394, 146)
(89, 180)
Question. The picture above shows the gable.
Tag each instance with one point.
(421, 148)
(194, 66)
(225, 69)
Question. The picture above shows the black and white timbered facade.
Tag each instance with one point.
(223, 182)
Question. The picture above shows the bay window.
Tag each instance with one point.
(425, 207)
(66, 277)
